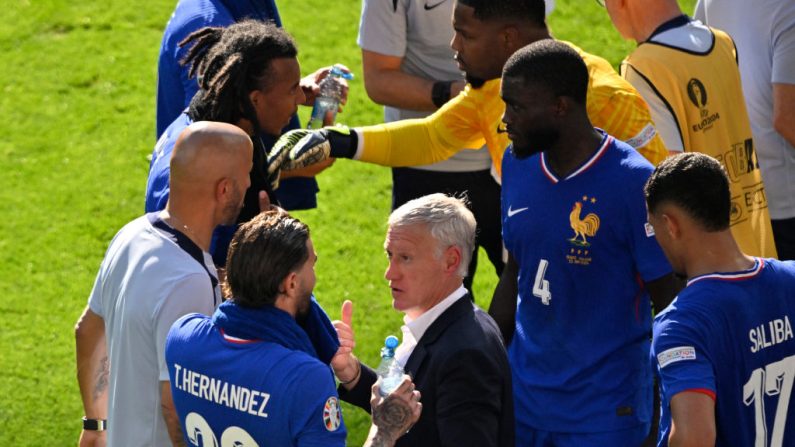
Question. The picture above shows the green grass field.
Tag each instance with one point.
(76, 126)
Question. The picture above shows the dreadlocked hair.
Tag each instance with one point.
(231, 62)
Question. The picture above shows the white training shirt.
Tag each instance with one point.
(147, 281)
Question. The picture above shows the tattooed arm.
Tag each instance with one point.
(92, 373)
(393, 415)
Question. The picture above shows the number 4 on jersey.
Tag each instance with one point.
(541, 285)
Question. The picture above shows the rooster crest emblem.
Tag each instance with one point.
(587, 226)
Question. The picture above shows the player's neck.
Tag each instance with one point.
(715, 253)
(186, 221)
(572, 150)
(647, 21)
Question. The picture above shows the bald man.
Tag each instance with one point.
(156, 270)
(688, 74)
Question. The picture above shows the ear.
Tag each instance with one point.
(289, 284)
(562, 106)
(672, 225)
(452, 259)
(511, 39)
(255, 96)
(222, 188)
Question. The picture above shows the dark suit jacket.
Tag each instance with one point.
(461, 369)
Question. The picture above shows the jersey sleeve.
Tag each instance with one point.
(625, 115)
(315, 412)
(650, 260)
(679, 356)
(382, 28)
(94, 300)
(784, 51)
(193, 294)
(437, 137)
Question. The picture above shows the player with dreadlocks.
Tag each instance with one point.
(248, 76)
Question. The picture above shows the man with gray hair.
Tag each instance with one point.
(452, 349)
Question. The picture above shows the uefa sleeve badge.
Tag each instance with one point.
(331, 414)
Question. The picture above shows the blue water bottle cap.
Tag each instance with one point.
(391, 342)
(336, 70)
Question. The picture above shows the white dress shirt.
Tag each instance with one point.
(413, 330)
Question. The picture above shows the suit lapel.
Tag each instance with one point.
(460, 308)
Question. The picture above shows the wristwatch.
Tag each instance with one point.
(440, 93)
(95, 424)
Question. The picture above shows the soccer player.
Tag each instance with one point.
(250, 77)
(688, 74)
(176, 88)
(252, 374)
(724, 350)
(156, 270)
(487, 32)
(574, 224)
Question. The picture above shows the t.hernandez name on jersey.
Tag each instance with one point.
(221, 392)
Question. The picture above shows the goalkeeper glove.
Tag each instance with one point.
(300, 148)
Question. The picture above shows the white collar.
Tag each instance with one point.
(419, 325)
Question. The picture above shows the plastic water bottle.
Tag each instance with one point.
(328, 100)
(390, 371)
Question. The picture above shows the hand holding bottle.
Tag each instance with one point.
(332, 92)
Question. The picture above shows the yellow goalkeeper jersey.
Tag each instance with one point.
(471, 119)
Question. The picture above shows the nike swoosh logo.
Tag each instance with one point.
(512, 213)
(429, 7)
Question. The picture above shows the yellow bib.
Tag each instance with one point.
(704, 94)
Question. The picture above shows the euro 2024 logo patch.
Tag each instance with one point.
(584, 227)
(331, 414)
(698, 96)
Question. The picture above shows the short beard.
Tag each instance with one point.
(302, 312)
(474, 81)
(537, 141)
(232, 210)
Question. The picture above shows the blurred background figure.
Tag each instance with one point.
(765, 38)
(688, 75)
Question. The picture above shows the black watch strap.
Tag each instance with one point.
(440, 93)
(95, 424)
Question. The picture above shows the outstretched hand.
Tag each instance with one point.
(307, 153)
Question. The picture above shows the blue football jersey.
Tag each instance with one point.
(583, 323)
(229, 391)
(730, 336)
